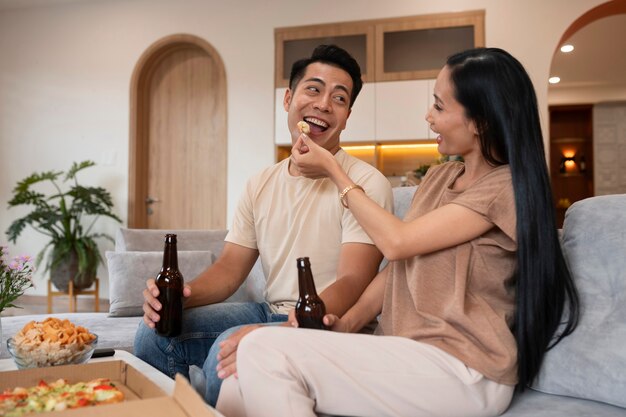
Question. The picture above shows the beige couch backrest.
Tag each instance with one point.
(152, 240)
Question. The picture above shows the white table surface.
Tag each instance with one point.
(160, 379)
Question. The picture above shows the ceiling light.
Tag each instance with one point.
(554, 80)
(567, 48)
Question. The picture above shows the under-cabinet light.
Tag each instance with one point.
(359, 147)
(410, 145)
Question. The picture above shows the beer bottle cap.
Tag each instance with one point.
(303, 262)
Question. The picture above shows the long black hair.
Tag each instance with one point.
(499, 97)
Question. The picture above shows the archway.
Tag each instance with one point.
(581, 146)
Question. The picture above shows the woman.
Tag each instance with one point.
(476, 286)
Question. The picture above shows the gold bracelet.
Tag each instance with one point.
(345, 191)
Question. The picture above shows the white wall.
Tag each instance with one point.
(609, 148)
(65, 71)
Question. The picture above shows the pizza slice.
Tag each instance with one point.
(57, 396)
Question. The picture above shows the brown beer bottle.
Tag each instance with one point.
(169, 281)
(310, 308)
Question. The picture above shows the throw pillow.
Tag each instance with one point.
(591, 362)
(128, 272)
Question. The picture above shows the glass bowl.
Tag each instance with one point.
(41, 356)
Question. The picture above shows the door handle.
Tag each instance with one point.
(150, 200)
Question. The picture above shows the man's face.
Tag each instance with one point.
(322, 99)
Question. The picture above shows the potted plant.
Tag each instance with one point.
(420, 172)
(72, 250)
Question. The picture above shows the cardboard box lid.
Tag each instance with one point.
(144, 397)
(189, 400)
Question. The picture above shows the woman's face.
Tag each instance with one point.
(456, 134)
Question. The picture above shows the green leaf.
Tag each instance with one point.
(25, 184)
(77, 167)
(15, 229)
(61, 249)
(27, 197)
(42, 254)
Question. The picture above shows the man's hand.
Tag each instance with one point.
(151, 305)
(227, 357)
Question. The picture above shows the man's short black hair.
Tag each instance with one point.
(331, 55)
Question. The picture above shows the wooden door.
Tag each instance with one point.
(179, 179)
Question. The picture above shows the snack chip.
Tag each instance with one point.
(51, 342)
(304, 127)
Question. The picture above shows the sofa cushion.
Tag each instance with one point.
(531, 403)
(253, 288)
(402, 199)
(153, 240)
(591, 362)
(128, 272)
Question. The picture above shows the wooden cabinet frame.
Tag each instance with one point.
(374, 31)
(282, 35)
(475, 19)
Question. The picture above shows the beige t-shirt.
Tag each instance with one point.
(287, 217)
(461, 299)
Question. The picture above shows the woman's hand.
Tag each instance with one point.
(291, 318)
(331, 321)
(336, 324)
(227, 356)
(311, 160)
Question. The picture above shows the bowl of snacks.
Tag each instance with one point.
(51, 342)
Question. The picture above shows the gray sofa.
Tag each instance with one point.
(585, 375)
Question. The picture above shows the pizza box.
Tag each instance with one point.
(142, 396)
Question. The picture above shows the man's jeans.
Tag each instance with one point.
(201, 327)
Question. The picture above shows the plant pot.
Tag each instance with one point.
(67, 270)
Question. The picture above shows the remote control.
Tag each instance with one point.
(102, 352)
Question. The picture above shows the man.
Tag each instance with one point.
(281, 216)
